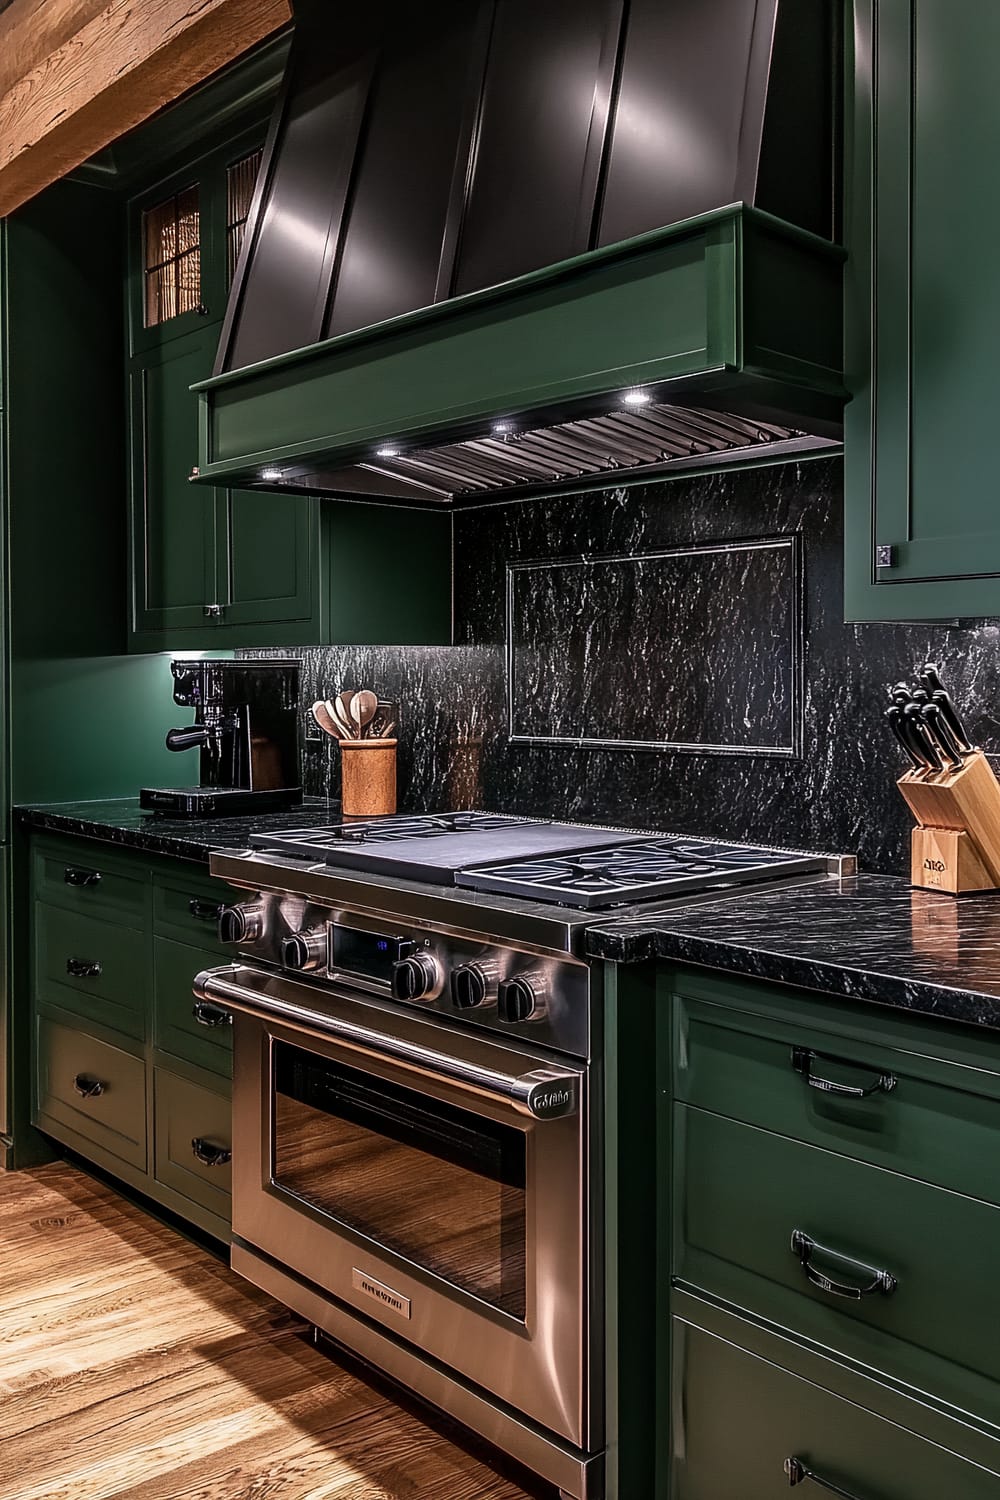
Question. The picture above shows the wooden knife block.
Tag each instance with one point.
(956, 845)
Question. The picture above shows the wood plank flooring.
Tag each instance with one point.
(134, 1363)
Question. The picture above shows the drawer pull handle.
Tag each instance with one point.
(74, 875)
(205, 911)
(209, 1155)
(207, 1014)
(878, 1281)
(798, 1473)
(88, 1088)
(83, 968)
(802, 1062)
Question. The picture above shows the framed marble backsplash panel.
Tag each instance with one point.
(694, 648)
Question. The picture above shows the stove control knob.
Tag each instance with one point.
(305, 950)
(243, 923)
(416, 978)
(474, 984)
(521, 997)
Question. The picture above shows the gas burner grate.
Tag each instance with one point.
(658, 867)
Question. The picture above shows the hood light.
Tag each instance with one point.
(636, 398)
(387, 450)
(271, 476)
(502, 429)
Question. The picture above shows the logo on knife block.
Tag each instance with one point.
(935, 864)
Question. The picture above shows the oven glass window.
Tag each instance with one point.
(441, 1186)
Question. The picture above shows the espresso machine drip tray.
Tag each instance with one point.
(215, 801)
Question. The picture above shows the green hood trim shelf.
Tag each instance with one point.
(716, 339)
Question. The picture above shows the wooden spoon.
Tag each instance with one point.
(325, 720)
(342, 709)
(344, 726)
(364, 706)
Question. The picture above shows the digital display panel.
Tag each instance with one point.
(370, 953)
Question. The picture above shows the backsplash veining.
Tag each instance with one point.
(838, 795)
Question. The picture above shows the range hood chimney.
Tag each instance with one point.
(502, 245)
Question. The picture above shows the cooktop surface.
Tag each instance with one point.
(568, 864)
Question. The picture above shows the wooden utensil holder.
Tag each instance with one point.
(368, 778)
(956, 845)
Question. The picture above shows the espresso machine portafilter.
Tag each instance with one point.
(246, 728)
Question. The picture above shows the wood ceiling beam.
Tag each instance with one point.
(77, 74)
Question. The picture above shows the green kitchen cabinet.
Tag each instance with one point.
(827, 1231)
(208, 567)
(746, 1428)
(923, 305)
(128, 1069)
(218, 567)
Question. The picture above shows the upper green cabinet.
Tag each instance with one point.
(923, 310)
(213, 568)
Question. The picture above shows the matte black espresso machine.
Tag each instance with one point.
(246, 727)
(416, 1136)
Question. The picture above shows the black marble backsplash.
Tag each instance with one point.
(573, 624)
(835, 793)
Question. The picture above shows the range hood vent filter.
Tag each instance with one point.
(588, 451)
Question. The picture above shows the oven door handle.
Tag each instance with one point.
(544, 1093)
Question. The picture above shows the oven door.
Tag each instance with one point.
(432, 1180)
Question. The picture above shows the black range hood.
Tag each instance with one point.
(501, 245)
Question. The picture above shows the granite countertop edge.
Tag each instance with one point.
(119, 822)
(942, 956)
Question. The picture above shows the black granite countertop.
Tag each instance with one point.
(120, 822)
(870, 938)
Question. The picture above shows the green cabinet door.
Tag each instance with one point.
(923, 307)
(744, 1428)
(268, 565)
(210, 569)
(172, 521)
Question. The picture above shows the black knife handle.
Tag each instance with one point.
(931, 677)
(894, 718)
(940, 730)
(950, 712)
(911, 738)
(912, 717)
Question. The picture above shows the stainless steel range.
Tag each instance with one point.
(417, 1103)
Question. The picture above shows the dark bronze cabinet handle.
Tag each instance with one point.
(802, 1062)
(207, 1014)
(798, 1473)
(74, 875)
(83, 968)
(205, 911)
(209, 1155)
(878, 1281)
(88, 1088)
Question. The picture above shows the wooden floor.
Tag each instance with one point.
(133, 1363)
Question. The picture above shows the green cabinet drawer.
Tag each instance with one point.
(199, 1032)
(187, 906)
(743, 1194)
(90, 966)
(76, 875)
(920, 1115)
(193, 1141)
(92, 1089)
(739, 1418)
